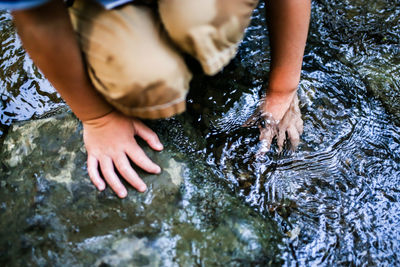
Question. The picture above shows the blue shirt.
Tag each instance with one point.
(24, 4)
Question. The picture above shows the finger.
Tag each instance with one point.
(281, 138)
(126, 170)
(285, 121)
(148, 135)
(266, 136)
(93, 171)
(137, 155)
(107, 168)
(295, 103)
(299, 125)
(297, 115)
(293, 136)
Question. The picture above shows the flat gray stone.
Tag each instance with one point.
(51, 214)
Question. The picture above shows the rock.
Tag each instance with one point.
(51, 214)
(381, 75)
(212, 203)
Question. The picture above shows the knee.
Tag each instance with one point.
(149, 86)
(226, 19)
(131, 63)
(209, 30)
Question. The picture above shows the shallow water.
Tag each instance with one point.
(340, 191)
(24, 93)
(337, 199)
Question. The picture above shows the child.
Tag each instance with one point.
(116, 66)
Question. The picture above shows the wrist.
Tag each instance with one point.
(283, 81)
(280, 96)
(101, 120)
(87, 104)
(96, 115)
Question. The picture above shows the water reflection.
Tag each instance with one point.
(24, 93)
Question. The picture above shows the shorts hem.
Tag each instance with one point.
(153, 112)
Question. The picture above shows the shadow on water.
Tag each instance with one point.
(336, 198)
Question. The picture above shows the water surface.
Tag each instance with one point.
(340, 191)
(337, 198)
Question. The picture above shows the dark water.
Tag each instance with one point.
(340, 191)
(337, 197)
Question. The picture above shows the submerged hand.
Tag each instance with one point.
(275, 118)
(292, 124)
(110, 143)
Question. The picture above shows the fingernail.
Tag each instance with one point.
(101, 187)
(142, 188)
(159, 146)
(122, 193)
(157, 169)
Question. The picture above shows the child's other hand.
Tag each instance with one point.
(109, 142)
(276, 104)
(285, 116)
(292, 124)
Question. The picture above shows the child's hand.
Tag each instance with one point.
(284, 117)
(276, 104)
(292, 124)
(109, 142)
(276, 116)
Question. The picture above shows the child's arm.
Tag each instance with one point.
(288, 22)
(48, 37)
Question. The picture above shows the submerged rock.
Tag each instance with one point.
(333, 202)
(50, 213)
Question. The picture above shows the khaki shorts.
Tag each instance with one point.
(134, 53)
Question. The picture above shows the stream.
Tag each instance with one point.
(333, 202)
